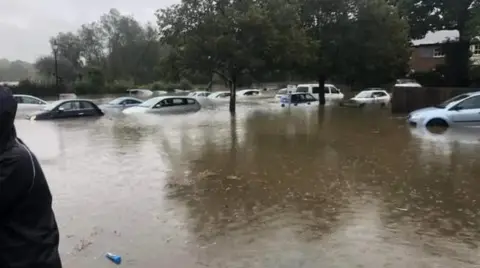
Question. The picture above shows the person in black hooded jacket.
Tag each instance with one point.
(29, 234)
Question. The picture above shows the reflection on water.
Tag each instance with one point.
(270, 188)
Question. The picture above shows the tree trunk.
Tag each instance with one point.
(463, 77)
(321, 84)
(233, 90)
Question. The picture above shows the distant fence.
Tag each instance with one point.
(407, 99)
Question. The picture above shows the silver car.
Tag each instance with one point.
(29, 103)
(121, 103)
(461, 110)
(166, 105)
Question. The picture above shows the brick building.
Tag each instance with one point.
(427, 52)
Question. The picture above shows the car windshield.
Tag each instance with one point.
(454, 99)
(52, 105)
(149, 103)
(364, 94)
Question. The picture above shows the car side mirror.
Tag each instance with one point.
(61, 109)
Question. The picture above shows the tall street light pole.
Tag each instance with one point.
(55, 56)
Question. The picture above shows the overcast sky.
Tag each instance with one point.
(27, 25)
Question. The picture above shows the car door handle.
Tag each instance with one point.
(80, 113)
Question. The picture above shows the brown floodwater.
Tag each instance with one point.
(272, 188)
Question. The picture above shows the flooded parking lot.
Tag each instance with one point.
(272, 188)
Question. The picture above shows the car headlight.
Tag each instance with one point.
(414, 117)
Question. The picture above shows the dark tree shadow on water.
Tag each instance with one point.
(276, 177)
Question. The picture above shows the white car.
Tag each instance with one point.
(372, 96)
(283, 92)
(461, 110)
(219, 96)
(298, 99)
(140, 93)
(331, 92)
(407, 83)
(166, 105)
(202, 94)
(29, 103)
(249, 93)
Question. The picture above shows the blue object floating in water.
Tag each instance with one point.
(114, 258)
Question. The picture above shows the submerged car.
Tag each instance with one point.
(72, 108)
(332, 93)
(121, 103)
(296, 99)
(461, 110)
(283, 92)
(202, 94)
(139, 92)
(220, 96)
(406, 83)
(372, 96)
(29, 103)
(249, 93)
(166, 105)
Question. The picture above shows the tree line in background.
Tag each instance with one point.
(354, 42)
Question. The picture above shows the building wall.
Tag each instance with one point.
(423, 59)
(426, 58)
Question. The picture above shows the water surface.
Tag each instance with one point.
(271, 188)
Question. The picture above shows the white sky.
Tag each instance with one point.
(27, 25)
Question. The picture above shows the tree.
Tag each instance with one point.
(231, 38)
(379, 46)
(66, 70)
(434, 15)
(15, 70)
(118, 46)
(328, 24)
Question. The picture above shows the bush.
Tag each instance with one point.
(93, 86)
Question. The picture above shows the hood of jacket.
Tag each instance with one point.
(8, 110)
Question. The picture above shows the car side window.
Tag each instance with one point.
(316, 90)
(31, 100)
(70, 106)
(85, 105)
(127, 102)
(471, 103)
(334, 90)
(309, 97)
(163, 103)
(302, 89)
(190, 101)
(379, 94)
(295, 98)
(177, 102)
(326, 90)
(19, 99)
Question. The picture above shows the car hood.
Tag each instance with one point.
(36, 113)
(425, 110)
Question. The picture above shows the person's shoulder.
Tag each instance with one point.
(17, 154)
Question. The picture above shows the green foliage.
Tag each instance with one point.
(379, 50)
(184, 84)
(232, 39)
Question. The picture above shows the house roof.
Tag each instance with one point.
(438, 37)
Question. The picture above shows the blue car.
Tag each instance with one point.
(121, 103)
